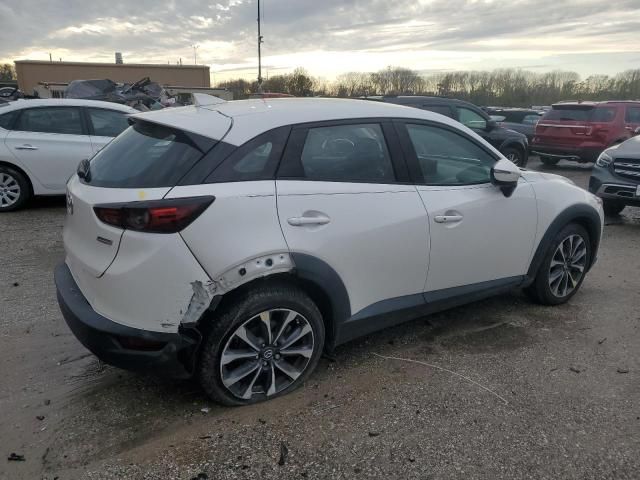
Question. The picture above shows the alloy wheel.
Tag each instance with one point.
(267, 353)
(9, 190)
(567, 265)
(513, 157)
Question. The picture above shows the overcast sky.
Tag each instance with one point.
(332, 36)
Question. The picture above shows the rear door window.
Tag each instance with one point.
(633, 115)
(107, 123)
(441, 109)
(603, 115)
(61, 120)
(471, 119)
(147, 156)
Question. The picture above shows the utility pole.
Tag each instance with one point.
(195, 55)
(259, 52)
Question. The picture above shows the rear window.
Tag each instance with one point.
(147, 156)
(581, 114)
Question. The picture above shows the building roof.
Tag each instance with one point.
(109, 64)
(252, 117)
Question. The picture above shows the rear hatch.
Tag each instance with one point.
(140, 165)
(571, 124)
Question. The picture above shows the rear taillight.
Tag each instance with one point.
(168, 215)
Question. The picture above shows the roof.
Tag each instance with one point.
(252, 117)
(66, 102)
(116, 65)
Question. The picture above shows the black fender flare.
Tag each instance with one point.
(583, 214)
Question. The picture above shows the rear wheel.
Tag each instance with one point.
(262, 346)
(549, 160)
(612, 207)
(563, 268)
(14, 189)
(516, 155)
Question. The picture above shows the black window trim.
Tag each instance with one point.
(86, 114)
(290, 167)
(412, 157)
(83, 121)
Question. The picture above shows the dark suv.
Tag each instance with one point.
(616, 176)
(521, 120)
(511, 144)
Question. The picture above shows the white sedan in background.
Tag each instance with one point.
(42, 142)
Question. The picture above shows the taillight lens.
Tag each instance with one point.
(168, 215)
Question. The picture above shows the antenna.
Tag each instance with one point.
(259, 52)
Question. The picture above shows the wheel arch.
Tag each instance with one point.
(583, 215)
(313, 276)
(21, 171)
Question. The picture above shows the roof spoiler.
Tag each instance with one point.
(203, 100)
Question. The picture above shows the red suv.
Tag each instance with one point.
(580, 131)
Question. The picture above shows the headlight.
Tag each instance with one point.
(603, 160)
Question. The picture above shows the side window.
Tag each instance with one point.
(6, 119)
(603, 115)
(471, 119)
(65, 120)
(632, 115)
(255, 160)
(448, 158)
(347, 153)
(531, 119)
(441, 109)
(107, 123)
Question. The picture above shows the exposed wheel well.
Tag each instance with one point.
(19, 170)
(315, 292)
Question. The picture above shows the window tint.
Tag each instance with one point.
(107, 123)
(471, 119)
(147, 156)
(6, 119)
(447, 158)
(347, 153)
(603, 114)
(65, 120)
(633, 115)
(569, 114)
(531, 119)
(441, 109)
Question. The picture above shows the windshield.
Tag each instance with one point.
(581, 114)
(147, 155)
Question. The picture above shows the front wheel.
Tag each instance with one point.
(265, 344)
(516, 155)
(563, 268)
(14, 189)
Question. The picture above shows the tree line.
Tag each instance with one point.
(505, 87)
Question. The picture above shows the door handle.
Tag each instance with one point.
(26, 146)
(447, 218)
(302, 221)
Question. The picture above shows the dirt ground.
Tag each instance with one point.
(507, 390)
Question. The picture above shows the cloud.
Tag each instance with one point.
(326, 37)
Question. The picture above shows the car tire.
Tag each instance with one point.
(237, 343)
(14, 189)
(516, 155)
(557, 277)
(549, 160)
(612, 208)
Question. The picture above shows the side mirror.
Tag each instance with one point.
(491, 124)
(636, 131)
(83, 170)
(505, 175)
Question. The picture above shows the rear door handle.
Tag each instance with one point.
(447, 218)
(302, 221)
(26, 146)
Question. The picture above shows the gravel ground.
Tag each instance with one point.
(506, 389)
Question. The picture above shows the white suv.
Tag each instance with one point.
(235, 241)
(42, 142)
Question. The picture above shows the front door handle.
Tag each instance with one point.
(26, 146)
(304, 220)
(447, 218)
